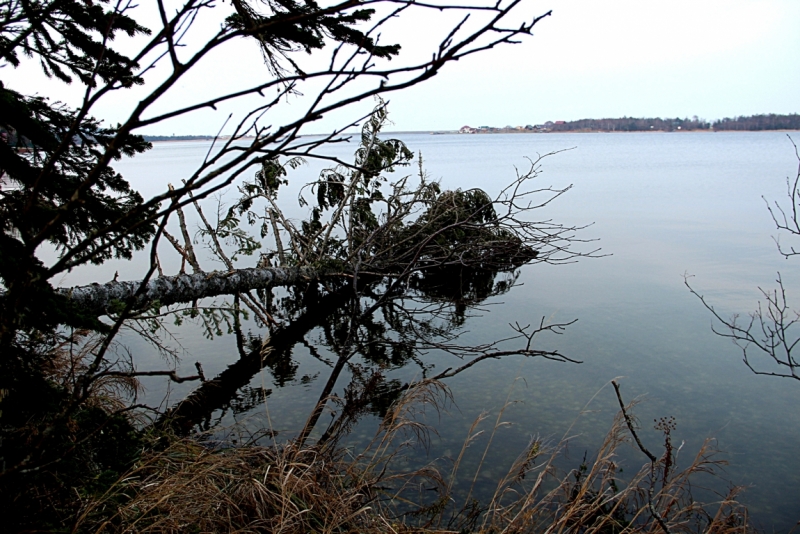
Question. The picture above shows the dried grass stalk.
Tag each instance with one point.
(188, 487)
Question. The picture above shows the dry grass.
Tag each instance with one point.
(188, 487)
(594, 498)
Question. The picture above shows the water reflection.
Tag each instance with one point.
(427, 315)
(663, 204)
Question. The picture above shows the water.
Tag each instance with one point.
(662, 205)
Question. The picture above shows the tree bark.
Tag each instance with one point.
(101, 298)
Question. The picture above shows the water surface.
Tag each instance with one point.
(662, 204)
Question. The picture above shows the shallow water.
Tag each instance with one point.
(662, 204)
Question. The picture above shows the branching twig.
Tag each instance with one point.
(653, 460)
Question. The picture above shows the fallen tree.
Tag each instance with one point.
(422, 264)
(403, 264)
(114, 296)
(68, 391)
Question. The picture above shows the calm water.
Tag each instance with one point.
(662, 205)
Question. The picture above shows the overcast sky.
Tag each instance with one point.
(590, 59)
(595, 59)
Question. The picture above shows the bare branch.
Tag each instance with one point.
(650, 455)
(771, 331)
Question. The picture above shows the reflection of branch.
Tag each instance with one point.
(215, 393)
(171, 374)
(485, 352)
(311, 422)
(770, 331)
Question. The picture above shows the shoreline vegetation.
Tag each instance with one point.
(752, 123)
(204, 484)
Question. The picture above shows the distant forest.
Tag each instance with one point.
(629, 124)
(760, 122)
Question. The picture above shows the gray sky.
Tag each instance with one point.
(615, 58)
(590, 59)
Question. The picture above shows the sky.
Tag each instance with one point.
(595, 59)
(590, 59)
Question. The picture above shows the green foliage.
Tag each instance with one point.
(228, 229)
(352, 193)
(391, 226)
(461, 228)
(70, 38)
(58, 187)
(290, 26)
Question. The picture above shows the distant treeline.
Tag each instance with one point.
(154, 138)
(760, 122)
(630, 124)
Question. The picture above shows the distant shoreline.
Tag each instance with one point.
(617, 132)
(771, 122)
(197, 139)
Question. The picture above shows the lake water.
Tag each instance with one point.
(662, 204)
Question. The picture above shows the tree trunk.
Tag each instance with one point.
(101, 298)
